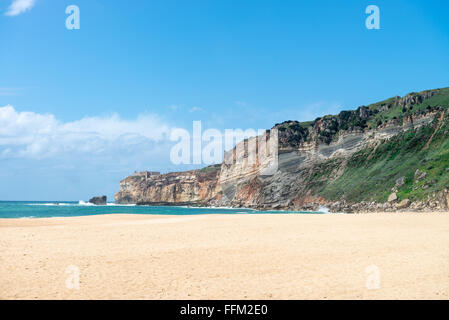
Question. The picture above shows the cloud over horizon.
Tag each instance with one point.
(19, 6)
(37, 136)
(46, 158)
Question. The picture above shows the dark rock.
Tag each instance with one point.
(364, 112)
(99, 201)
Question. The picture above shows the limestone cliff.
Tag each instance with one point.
(348, 162)
(152, 188)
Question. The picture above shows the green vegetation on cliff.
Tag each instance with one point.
(390, 109)
(326, 129)
(411, 161)
(372, 173)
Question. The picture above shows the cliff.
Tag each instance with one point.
(196, 187)
(390, 155)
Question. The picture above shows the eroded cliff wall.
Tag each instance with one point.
(318, 163)
(196, 187)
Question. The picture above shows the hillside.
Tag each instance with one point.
(386, 156)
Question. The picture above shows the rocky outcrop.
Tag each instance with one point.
(414, 98)
(99, 201)
(196, 187)
(309, 156)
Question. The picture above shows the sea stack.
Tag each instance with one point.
(99, 200)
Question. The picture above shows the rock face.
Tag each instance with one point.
(311, 160)
(181, 188)
(99, 201)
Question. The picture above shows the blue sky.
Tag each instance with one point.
(84, 108)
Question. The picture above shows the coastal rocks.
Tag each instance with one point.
(403, 204)
(361, 207)
(339, 206)
(99, 201)
(436, 202)
(392, 197)
(443, 198)
(417, 206)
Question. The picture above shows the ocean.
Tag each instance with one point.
(48, 209)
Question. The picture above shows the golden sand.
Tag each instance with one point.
(370, 256)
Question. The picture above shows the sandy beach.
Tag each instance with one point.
(369, 256)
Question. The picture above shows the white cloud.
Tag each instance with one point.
(19, 6)
(33, 135)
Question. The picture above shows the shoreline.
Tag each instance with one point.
(328, 208)
(32, 210)
(258, 213)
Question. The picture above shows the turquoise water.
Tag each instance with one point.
(16, 209)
